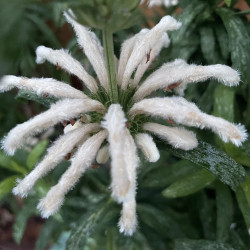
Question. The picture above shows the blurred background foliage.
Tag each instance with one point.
(198, 199)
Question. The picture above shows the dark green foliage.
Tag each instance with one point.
(188, 200)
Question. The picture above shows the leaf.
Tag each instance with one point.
(224, 216)
(244, 206)
(164, 175)
(216, 161)
(189, 184)
(208, 47)
(44, 237)
(8, 163)
(160, 222)
(21, 220)
(186, 244)
(246, 188)
(89, 223)
(239, 41)
(224, 98)
(7, 185)
(32, 96)
(228, 2)
(222, 37)
(36, 153)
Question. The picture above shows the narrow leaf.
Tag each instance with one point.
(189, 184)
(216, 161)
(201, 245)
(9, 163)
(246, 188)
(36, 153)
(244, 206)
(21, 220)
(224, 216)
(7, 185)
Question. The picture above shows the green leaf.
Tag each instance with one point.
(7, 185)
(224, 98)
(239, 41)
(32, 96)
(244, 206)
(208, 43)
(222, 37)
(246, 188)
(189, 184)
(216, 161)
(8, 163)
(44, 237)
(90, 222)
(224, 102)
(228, 2)
(161, 222)
(164, 175)
(224, 216)
(21, 220)
(200, 245)
(36, 153)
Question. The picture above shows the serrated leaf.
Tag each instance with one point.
(36, 153)
(186, 244)
(216, 161)
(224, 216)
(90, 222)
(244, 206)
(162, 223)
(7, 185)
(8, 163)
(165, 175)
(189, 184)
(21, 220)
(32, 96)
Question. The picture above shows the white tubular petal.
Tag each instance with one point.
(63, 59)
(115, 123)
(103, 155)
(146, 144)
(79, 163)
(126, 50)
(175, 136)
(147, 43)
(60, 111)
(55, 155)
(143, 66)
(128, 221)
(93, 50)
(180, 72)
(187, 113)
(40, 86)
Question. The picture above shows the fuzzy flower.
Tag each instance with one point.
(166, 3)
(117, 131)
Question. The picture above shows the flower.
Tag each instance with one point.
(167, 3)
(117, 130)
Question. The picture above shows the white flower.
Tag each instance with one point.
(167, 3)
(117, 130)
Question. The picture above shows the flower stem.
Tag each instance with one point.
(110, 62)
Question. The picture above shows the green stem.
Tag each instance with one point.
(110, 62)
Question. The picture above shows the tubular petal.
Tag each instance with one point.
(80, 162)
